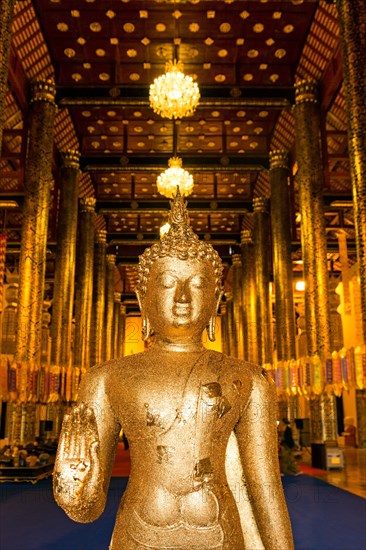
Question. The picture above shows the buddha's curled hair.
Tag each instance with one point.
(179, 242)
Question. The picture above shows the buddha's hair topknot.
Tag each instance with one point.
(179, 242)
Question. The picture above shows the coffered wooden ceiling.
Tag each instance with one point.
(245, 57)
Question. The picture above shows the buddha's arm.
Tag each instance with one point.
(257, 439)
(86, 453)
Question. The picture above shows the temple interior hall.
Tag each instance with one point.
(256, 109)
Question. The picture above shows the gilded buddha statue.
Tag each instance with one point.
(201, 425)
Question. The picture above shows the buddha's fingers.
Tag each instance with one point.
(64, 445)
(76, 432)
(84, 435)
(94, 457)
(90, 432)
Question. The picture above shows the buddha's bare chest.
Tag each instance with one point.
(163, 402)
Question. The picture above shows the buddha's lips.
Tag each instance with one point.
(182, 309)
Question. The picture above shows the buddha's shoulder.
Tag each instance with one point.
(251, 371)
(122, 366)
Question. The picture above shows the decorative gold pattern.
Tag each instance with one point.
(261, 250)
(84, 283)
(98, 303)
(116, 319)
(63, 295)
(32, 263)
(121, 331)
(109, 307)
(313, 236)
(43, 90)
(238, 339)
(249, 297)
(352, 18)
(282, 261)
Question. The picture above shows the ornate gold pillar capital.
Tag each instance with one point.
(71, 159)
(101, 236)
(278, 159)
(260, 205)
(228, 296)
(111, 260)
(246, 237)
(87, 204)
(43, 90)
(236, 259)
(122, 309)
(117, 297)
(223, 308)
(306, 91)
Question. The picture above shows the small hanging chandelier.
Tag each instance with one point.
(174, 94)
(168, 180)
(164, 229)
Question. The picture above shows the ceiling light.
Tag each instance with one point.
(342, 204)
(164, 229)
(174, 176)
(174, 95)
(4, 204)
(300, 286)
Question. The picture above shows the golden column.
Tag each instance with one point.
(84, 283)
(313, 243)
(37, 185)
(6, 18)
(116, 318)
(262, 247)
(98, 302)
(282, 262)
(109, 307)
(249, 297)
(63, 294)
(237, 308)
(352, 20)
(313, 236)
(121, 331)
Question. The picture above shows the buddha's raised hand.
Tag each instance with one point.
(77, 476)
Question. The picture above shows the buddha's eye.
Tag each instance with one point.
(198, 281)
(167, 281)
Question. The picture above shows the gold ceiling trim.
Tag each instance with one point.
(204, 103)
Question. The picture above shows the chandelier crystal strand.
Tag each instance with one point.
(168, 180)
(174, 94)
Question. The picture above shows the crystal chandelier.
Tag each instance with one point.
(164, 229)
(173, 94)
(168, 180)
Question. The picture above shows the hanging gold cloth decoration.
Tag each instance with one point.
(2, 266)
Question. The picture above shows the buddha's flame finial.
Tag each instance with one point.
(179, 219)
(178, 215)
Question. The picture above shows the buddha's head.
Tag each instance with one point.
(179, 284)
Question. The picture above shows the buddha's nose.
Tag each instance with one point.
(183, 295)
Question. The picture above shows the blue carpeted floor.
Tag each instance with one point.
(323, 517)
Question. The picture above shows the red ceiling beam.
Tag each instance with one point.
(331, 81)
(18, 81)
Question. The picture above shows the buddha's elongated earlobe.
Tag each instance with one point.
(146, 328)
(211, 328)
(212, 322)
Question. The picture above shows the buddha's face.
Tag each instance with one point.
(180, 298)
